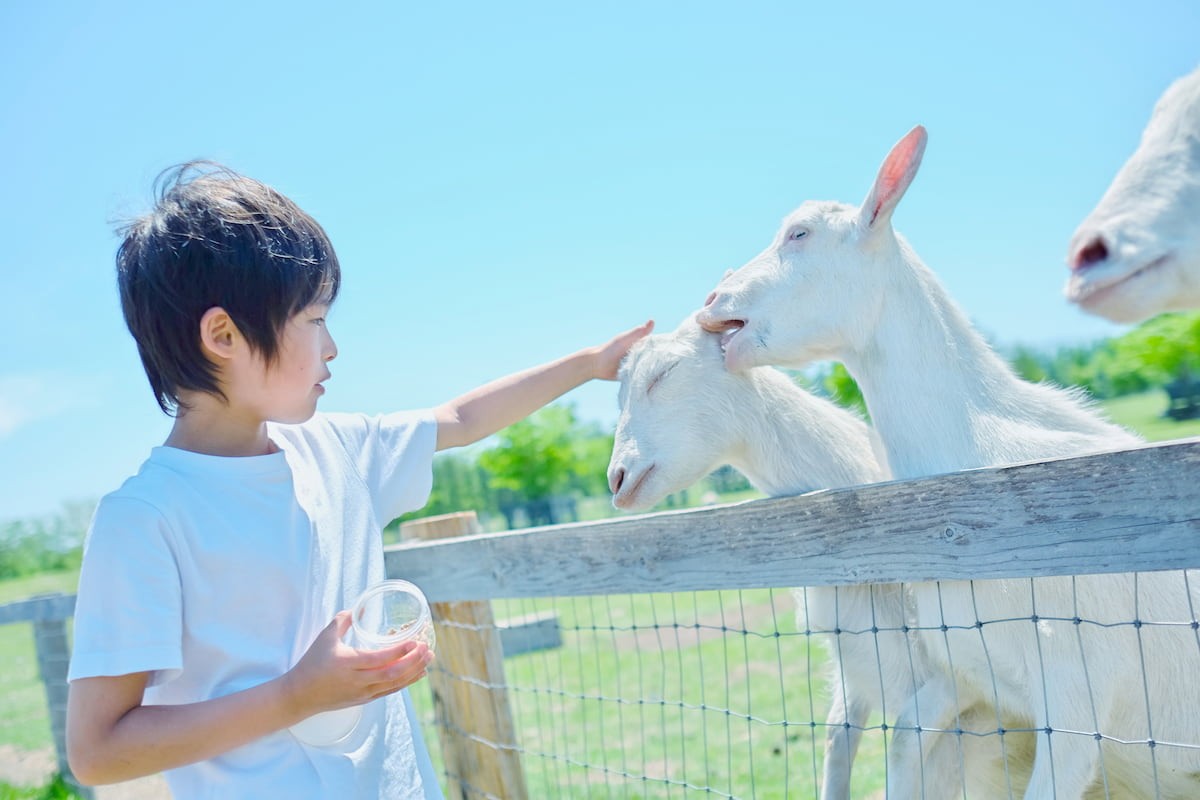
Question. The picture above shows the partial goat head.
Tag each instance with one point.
(1138, 252)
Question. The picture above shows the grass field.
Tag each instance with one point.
(654, 696)
(602, 706)
(1143, 413)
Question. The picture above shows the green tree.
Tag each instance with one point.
(1162, 349)
(1029, 364)
(536, 457)
(593, 451)
(843, 389)
(459, 484)
(53, 542)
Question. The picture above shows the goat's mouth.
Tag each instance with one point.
(1093, 286)
(729, 329)
(627, 498)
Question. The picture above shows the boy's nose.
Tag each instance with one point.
(331, 350)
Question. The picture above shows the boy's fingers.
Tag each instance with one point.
(633, 334)
(341, 623)
(404, 672)
(395, 686)
(377, 659)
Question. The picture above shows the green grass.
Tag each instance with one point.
(1143, 413)
(56, 789)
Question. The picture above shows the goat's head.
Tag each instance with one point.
(810, 293)
(678, 416)
(1138, 252)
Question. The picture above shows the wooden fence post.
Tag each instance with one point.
(53, 656)
(475, 725)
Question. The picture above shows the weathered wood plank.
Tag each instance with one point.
(39, 607)
(529, 634)
(1131, 510)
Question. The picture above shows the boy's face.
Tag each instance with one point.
(288, 389)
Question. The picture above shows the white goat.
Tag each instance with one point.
(682, 416)
(838, 282)
(1138, 252)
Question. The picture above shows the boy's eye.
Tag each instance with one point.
(319, 320)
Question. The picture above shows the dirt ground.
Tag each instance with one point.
(35, 767)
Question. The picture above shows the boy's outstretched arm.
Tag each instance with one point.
(483, 411)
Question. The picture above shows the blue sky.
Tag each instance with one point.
(507, 182)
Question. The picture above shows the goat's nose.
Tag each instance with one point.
(708, 301)
(713, 323)
(1091, 253)
(615, 479)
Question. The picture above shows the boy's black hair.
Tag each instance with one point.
(216, 238)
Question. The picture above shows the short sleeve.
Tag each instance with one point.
(128, 615)
(404, 473)
(394, 455)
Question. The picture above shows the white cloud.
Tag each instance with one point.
(31, 397)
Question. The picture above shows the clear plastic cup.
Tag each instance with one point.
(391, 612)
(386, 613)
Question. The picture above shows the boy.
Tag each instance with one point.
(202, 629)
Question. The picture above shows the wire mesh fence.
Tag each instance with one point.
(729, 694)
(665, 695)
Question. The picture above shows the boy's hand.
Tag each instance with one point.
(331, 674)
(608, 356)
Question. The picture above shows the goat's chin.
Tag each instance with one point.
(1129, 293)
(1116, 305)
(739, 358)
(1135, 296)
(635, 503)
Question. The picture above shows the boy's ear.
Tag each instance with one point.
(218, 333)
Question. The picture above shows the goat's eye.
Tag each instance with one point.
(797, 233)
(658, 378)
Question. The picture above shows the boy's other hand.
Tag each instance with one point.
(331, 674)
(608, 356)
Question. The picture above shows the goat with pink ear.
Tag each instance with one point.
(1138, 252)
(838, 282)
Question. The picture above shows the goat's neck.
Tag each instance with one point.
(927, 375)
(793, 443)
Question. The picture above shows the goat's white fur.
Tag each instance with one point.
(1138, 252)
(683, 415)
(838, 282)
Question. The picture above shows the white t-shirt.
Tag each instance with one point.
(215, 574)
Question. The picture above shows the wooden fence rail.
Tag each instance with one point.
(1131, 510)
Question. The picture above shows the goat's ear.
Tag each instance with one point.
(897, 172)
